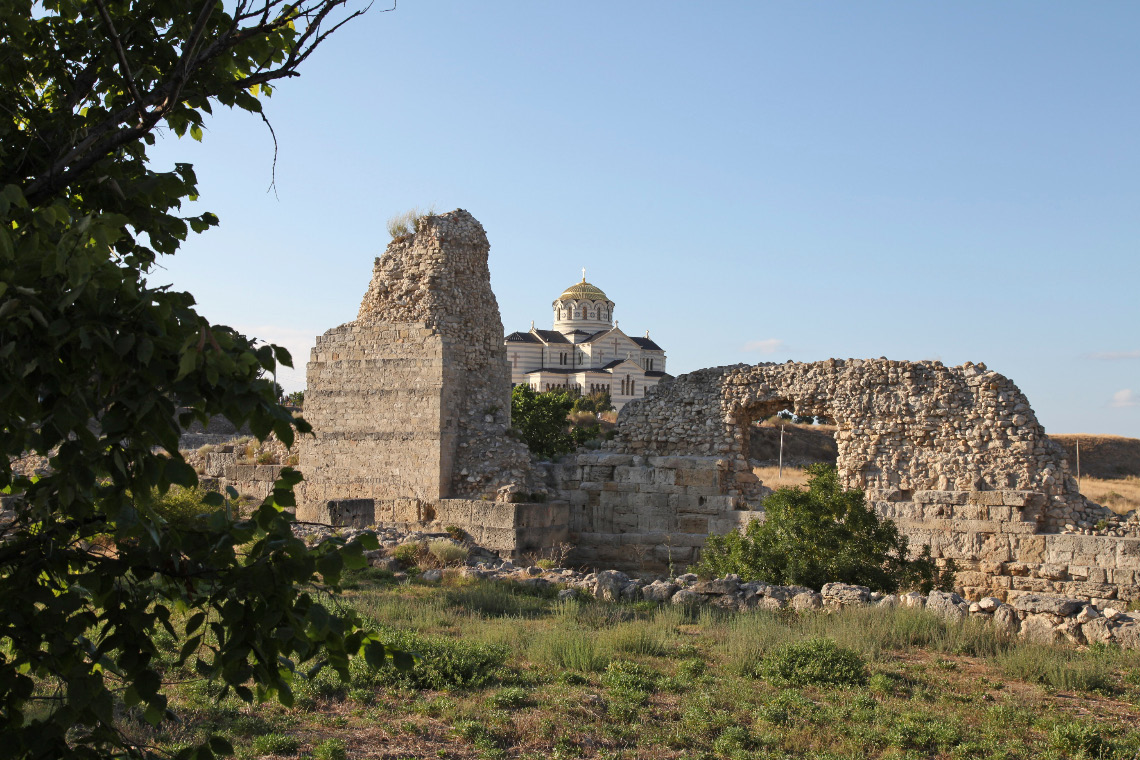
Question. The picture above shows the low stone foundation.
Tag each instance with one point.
(646, 513)
(513, 531)
(653, 513)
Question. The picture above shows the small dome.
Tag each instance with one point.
(583, 290)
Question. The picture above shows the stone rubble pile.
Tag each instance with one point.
(902, 427)
(1120, 526)
(1040, 618)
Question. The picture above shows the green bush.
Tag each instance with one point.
(540, 419)
(623, 674)
(1078, 739)
(815, 661)
(331, 749)
(276, 744)
(787, 707)
(731, 741)
(443, 663)
(926, 732)
(457, 534)
(510, 697)
(819, 535)
(447, 552)
(408, 554)
(180, 506)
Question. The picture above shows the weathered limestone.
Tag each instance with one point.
(954, 456)
(410, 405)
(412, 400)
(903, 427)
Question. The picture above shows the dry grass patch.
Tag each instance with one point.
(771, 476)
(1121, 495)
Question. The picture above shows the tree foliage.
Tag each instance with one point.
(819, 535)
(95, 362)
(540, 419)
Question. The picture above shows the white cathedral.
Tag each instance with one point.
(586, 350)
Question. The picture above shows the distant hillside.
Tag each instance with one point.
(1103, 456)
(802, 444)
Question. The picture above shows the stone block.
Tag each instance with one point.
(693, 524)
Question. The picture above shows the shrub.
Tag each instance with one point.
(408, 554)
(457, 534)
(510, 697)
(267, 457)
(925, 732)
(443, 663)
(820, 535)
(1075, 738)
(276, 744)
(732, 740)
(447, 552)
(180, 506)
(815, 661)
(330, 749)
(540, 419)
(626, 675)
(787, 707)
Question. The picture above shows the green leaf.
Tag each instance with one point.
(220, 746)
(187, 363)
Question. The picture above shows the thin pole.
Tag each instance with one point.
(1078, 464)
(781, 452)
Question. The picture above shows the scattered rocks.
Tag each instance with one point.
(843, 595)
(948, 605)
(1044, 618)
(1035, 604)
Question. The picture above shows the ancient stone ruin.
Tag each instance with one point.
(410, 405)
(954, 455)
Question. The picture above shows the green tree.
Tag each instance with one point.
(95, 361)
(540, 419)
(820, 535)
(296, 398)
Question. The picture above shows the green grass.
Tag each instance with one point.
(507, 672)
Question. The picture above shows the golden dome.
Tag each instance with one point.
(584, 291)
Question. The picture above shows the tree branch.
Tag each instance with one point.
(124, 67)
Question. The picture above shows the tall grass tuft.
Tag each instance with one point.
(1058, 668)
(573, 649)
(408, 223)
(497, 599)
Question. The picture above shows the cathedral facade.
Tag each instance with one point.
(586, 351)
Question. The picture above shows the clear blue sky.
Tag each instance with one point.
(754, 181)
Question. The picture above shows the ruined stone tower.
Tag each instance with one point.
(412, 400)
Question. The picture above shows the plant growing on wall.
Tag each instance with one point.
(95, 363)
(540, 419)
(819, 535)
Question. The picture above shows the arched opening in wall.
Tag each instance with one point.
(774, 434)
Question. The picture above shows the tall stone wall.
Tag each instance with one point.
(412, 399)
(902, 427)
(954, 455)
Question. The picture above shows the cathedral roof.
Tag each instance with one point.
(647, 344)
(551, 336)
(583, 290)
(521, 337)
